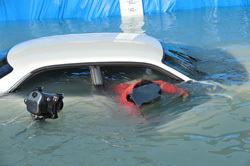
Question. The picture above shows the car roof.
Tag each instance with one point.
(92, 48)
(102, 47)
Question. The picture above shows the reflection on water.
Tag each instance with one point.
(212, 127)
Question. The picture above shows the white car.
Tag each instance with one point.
(29, 58)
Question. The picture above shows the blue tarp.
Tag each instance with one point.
(59, 9)
(63, 9)
(152, 6)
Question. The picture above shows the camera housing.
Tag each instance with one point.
(44, 105)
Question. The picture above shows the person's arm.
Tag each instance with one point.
(119, 89)
(122, 102)
(171, 89)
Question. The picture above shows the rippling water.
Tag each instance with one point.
(212, 128)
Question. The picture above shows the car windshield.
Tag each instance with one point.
(180, 61)
(5, 68)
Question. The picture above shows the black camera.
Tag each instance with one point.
(44, 105)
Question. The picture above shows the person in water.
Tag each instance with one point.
(130, 96)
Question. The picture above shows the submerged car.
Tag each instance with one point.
(27, 59)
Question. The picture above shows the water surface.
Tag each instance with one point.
(211, 128)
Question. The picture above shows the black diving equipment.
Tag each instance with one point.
(44, 105)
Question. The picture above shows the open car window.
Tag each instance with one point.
(79, 78)
(5, 68)
(129, 74)
(67, 80)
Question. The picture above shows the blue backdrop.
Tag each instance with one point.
(60, 9)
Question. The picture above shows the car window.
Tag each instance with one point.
(5, 68)
(78, 80)
(129, 74)
(67, 80)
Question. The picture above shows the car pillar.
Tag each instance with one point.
(96, 75)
